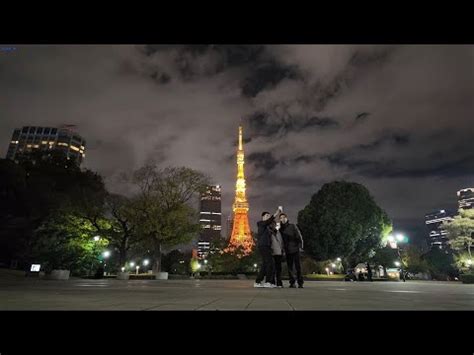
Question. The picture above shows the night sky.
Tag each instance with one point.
(397, 119)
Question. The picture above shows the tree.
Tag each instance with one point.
(161, 210)
(461, 231)
(113, 221)
(176, 262)
(413, 261)
(440, 264)
(65, 241)
(35, 190)
(343, 220)
(385, 257)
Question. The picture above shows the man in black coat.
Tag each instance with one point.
(293, 245)
(264, 245)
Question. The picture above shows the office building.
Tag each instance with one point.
(46, 139)
(210, 219)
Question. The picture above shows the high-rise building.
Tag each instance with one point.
(210, 219)
(241, 236)
(230, 222)
(46, 139)
(466, 198)
(438, 236)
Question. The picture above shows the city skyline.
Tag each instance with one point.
(395, 118)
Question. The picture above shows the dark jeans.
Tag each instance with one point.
(277, 261)
(266, 267)
(293, 262)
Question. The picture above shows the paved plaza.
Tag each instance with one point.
(111, 294)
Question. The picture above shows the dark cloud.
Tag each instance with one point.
(395, 118)
(263, 161)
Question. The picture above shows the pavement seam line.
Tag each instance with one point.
(206, 304)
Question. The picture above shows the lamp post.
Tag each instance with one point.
(145, 263)
(106, 255)
(394, 240)
(95, 239)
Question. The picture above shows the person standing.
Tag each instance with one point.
(293, 241)
(264, 244)
(278, 250)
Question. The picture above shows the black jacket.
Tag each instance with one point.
(291, 238)
(264, 237)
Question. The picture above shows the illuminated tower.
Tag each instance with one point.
(241, 236)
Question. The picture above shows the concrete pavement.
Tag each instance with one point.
(110, 294)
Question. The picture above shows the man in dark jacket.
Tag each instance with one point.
(264, 245)
(293, 245)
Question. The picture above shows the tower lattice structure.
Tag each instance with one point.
(241, 236)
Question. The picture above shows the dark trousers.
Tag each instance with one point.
(277, 261)
(293, 262)
(266, 267)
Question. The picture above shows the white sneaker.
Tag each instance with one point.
(268, 285)
(256, 284)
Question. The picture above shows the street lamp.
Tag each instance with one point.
(132, 264)
(394, 245)
(96, 238)
(105, 255)
(338, 259)
(123, 268)
(146, 262)
(397, 263)
(136, 268)
(205, 262)
(327, 271)
(333, 265)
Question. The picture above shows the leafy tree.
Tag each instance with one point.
(440, 264)
(65, 241)
(35, 190)
(461, 231)
(176, 262)
(343, 220)
(413, 261)
(463, 262)
(113, 221)
(385, 257)
(161, 210)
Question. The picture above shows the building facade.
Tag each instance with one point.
(437, 235)
(46, 139)
(210, 219)
(466, 198)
